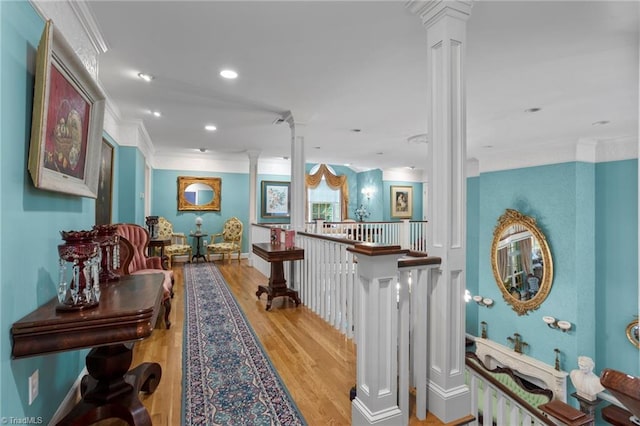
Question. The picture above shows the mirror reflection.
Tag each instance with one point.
(199, 193)
(521, 261)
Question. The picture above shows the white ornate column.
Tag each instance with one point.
(376, 399)
(297, 173)
(253, 182)
(445, 21)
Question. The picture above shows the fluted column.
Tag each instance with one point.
(376, 399)
(445, 22)
(297, 173)
(253, 182)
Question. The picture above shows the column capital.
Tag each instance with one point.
(253, 154)
(432, 10)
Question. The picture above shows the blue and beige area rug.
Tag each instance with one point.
(227, 377)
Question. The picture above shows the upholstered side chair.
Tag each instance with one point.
(135, 239)
(229, 241)
(179, 244)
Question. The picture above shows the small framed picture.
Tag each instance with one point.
(402, 202)
(276, 199)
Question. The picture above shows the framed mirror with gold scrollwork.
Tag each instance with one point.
(521, 261)
(199, 193)
(633, 333)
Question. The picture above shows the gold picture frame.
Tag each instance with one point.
(67, 122)
(402, 202)
(199, 193)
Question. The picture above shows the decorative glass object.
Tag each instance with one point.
(108, 240)
(80, 258)
(198, 225)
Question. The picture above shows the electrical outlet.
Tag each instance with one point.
(33, 387)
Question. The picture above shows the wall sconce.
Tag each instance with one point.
(483, 301)
(367, 192)
(558, 325)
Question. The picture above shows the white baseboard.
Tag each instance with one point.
(70, 400)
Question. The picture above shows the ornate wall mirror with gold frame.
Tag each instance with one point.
(521, 261)
(199, 193)
(633, 333)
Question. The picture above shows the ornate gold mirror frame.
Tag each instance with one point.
(519, 246)
(633, 333)
(185, 203)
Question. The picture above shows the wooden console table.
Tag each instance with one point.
(127, 312)
(276, 254)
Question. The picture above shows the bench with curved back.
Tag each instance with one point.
(503, 380)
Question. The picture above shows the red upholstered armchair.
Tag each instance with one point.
(136, 239)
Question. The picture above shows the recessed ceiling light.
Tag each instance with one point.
(536, 109)
(156, 113)
(356, 130)
(411, 167)
(210, 127)
(285, 158)
(228, 74)
(600, 123)
(316, 147)
(379, 153)
(202, 149)
(347, 164)
(145, 77)
(487, 146)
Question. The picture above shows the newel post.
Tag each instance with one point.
(377, 338)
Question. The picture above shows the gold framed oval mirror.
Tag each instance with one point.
(199, 193)
(633, 333)
(521, 261)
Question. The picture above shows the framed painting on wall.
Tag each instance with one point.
(402, 202)
(276, 199)
(68, 114)
(105, 185)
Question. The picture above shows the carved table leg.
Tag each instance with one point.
(109, 391)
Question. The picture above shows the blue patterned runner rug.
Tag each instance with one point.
(227, 377)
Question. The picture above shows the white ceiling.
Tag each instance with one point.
(339, 66)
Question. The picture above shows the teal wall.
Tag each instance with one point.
(30, 223)
(131, 170)
(473, 228)
(375, 205)
(589, 214)
(234, 201)
(616, 263)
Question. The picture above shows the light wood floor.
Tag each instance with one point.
(316, 363)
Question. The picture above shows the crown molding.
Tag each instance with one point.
(430, 11)
(90, 25)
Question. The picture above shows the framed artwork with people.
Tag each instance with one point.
(402, 202)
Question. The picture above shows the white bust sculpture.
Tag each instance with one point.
(586, 383)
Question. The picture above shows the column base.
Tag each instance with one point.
(449, 405)
(360, 415)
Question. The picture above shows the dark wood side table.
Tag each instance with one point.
(127, 312)
(276, 254)
(160, 243)
(197, 238)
